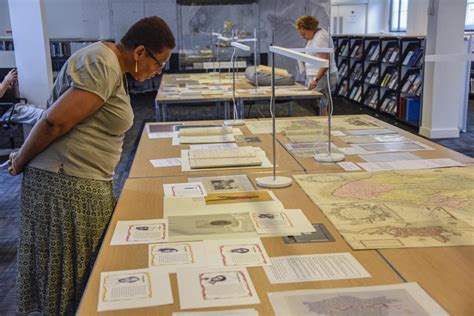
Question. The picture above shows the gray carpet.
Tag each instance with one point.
(144, 111)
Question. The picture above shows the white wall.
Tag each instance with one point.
(417, 17)
(378, 16)
(4, 18)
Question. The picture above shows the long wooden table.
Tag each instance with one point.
(446, 273)
(313, 166)
(245, 91)
(143, 199)
(161, 148)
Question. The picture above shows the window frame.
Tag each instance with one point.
(398, 29)
(468, 27)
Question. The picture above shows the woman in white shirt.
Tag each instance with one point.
(317, 37)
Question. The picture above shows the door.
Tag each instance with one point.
(349, 18)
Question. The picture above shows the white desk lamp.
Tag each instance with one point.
(329, 156)
(236, 121)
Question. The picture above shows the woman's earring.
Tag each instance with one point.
(136, 66)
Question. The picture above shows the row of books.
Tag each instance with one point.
(372, 97)
(412, 83)
(343, 68)
(357, 70)
(389, 104)
(343, 49)
(372, 74)
(409, 109)
(372, 52)
(357, 51)
(356, 93)
(343, 88)
(413, 57)
(391, 54)
(6, 45)
(60, 49)
(390, 78)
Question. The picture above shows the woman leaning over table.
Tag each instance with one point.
(317, 37)
(68, 162)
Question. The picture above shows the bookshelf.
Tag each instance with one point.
(384, 73)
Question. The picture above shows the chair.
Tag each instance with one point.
(7, 102)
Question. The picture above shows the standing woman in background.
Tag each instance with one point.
(68, 163)
(317, 37)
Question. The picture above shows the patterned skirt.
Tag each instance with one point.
(63, 221)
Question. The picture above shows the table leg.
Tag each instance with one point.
(163, 114)
(158, 111)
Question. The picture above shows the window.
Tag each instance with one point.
(398, 15)
(469, 25)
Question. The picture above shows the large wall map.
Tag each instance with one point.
(421, 208)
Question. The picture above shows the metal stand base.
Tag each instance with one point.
(274, 182)
(234, 122)
(332, 157)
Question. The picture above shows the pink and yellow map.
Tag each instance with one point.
(397, 209)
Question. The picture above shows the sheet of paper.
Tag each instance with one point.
(389, 157)
(306, 268)
(232, 312)
(217, 226)
(391, 138)
(220, 184)
(213, 146)
(160, 135)
(353, 150)
(390, 147)
(374, 131)
(410, 164)
(133, 289)
(167, 162)
(215, 203)
(395, 299)
(207, 287)
(248, 252)
(348, 166)
(187, 189)
(167, 257)
(281, 222)
(140, 232)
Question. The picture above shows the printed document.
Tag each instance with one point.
(220, 184)
(133, 289)
(140, 232)
(320, 267)
(410, 164)
(208, 287)
(180, 190)
(166, 257)
(281, 222)
(248, 252)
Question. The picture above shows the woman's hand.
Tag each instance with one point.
(312, 84)
(13, 167)
(10, 78)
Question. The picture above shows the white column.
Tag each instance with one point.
(443, 90)
(32, 55)
(417, 17)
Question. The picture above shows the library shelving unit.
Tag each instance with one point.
(384, 73)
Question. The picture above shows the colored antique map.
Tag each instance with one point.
(397, 209)
(337, 123)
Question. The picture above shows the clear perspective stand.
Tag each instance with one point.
(236, 121)
(273, 181)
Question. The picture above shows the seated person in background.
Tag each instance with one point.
(8, 82)
(317, 37)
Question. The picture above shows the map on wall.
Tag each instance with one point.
(397, 209)
(382, 300)
(337, 123)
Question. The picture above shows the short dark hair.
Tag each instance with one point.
(151, 32)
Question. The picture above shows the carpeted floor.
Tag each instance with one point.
(144, 111)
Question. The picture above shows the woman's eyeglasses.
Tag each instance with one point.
(159, 63)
